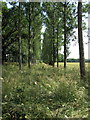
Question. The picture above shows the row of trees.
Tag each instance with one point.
(60, 21)
(24, 41)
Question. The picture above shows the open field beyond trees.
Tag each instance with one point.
(44, 91)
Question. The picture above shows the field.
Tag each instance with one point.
(44, 92)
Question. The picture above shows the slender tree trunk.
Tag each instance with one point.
(33, 43)
(53, 47)
(57, 45)
(33, 48)
(80, 40)
(51, 52)
(53, 37)
(65, 47)
(3, 56)
(19, 36)
(29, 37)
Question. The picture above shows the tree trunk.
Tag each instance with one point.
(29, 37)
(65, 47)
(57, 45)
(19, 36)
(3, 55)
(80, 40)
(53, 47)
(53, 37)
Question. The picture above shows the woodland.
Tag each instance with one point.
(38, 81)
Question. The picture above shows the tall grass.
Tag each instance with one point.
(43, 92)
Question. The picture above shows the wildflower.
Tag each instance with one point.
(35, 83)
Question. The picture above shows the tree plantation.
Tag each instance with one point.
(39, 81)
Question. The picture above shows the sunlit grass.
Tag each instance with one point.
(72, 64)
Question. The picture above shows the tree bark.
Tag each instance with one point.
(53, 26)
(57, 45)
(19, 36)
(53, 47)
(29, 37)
(65, 47)
(80, 41)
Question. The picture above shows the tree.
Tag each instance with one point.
(69, 21)
(29, 35)
(80, 41)
(10, 34)
(32, 13)
(19, 36)
(52, 37)
(65, 44)
(57, 45)
(9, 31)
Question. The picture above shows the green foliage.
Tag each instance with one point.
(42, 92)
(49, 15)
(53, 18)
(10, 31)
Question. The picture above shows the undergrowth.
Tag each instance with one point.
(43, 92)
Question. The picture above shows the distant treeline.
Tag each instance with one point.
(75, 60)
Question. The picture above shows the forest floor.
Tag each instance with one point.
(44, 92)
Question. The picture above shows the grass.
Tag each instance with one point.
(44, 92)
